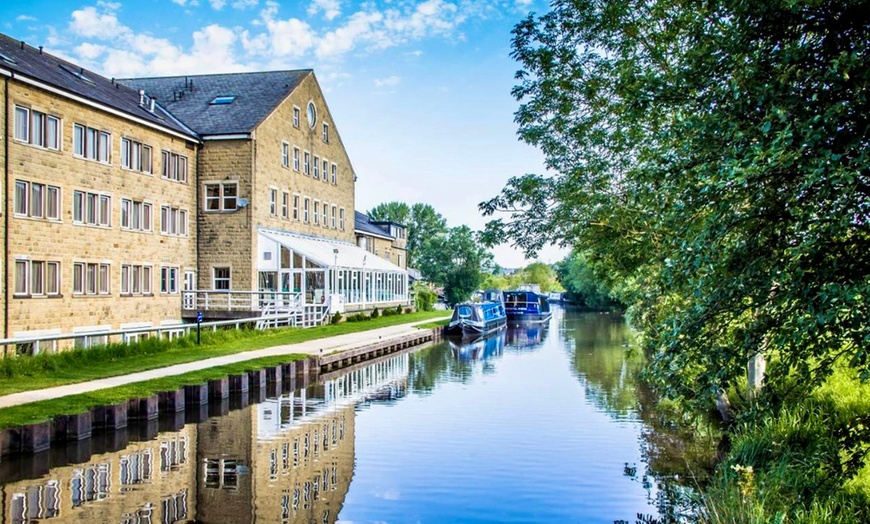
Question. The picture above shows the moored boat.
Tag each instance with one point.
(478, 318)
(527, 306)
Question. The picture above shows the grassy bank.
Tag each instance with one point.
(790, 468)
(70, 367)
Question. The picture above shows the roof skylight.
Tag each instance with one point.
(80, 74)
(223, 100)
(8, 58)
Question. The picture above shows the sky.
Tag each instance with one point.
(419, 90)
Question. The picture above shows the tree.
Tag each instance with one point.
(393, 211)
(715, 157)
(583, 286)
(424, 225)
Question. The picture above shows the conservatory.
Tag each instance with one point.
(320, 271)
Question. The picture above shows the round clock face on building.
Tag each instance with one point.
(312, 114)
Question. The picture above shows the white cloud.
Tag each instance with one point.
(245, 4)
(331, 8)
(185, 3)
(217, 5)
(89, 51)
(90, 23)
(25, 18)
(291, 37)
(388, 81)
(361, 28)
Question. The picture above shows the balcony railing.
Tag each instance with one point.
(219, 300)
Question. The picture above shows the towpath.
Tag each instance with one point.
(323, 346)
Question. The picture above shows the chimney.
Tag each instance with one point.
(151, 108)
(141, 97)
(40, 49)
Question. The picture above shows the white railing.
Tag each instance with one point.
(220, 300)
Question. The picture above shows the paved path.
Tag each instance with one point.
(312, 347)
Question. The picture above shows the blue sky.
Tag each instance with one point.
(419, 90)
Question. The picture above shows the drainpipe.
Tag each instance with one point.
(6, 214)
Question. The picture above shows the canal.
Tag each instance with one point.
(536, 424)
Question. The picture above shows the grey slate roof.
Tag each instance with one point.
(362, 224)
(27, 61)
(189, 98)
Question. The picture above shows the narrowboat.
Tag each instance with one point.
(478, 318)
(527, 306)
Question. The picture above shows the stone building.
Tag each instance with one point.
(100, 200)
(138, 203)
(385, 238)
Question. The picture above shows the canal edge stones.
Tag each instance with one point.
(201, 400)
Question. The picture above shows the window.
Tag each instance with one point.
(305, 210)
(333, 216)
(325, 214)
(135, 215)
(90, 278)
(316, 212)
(273, 202)
(325, 171)
(221, 196)
(285, 205)
(223, 100)
(135, 156)
(295, 207)
(91, 143)
(173, 221)
(306, 163)
(135, 279)
(36, 200)
(37, 277)
(92, 209)
(37, 128)
(169, 280)
(174, 167)
(295, 117)
(341, 219)
(316, 168)
(296, 159)
(311, 114)
(326, 132)
(221, 278)
(334, 174)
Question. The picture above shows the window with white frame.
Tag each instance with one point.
(92, 143)
(285, 154)
(305, 205)
(173, 221)
(221, 278)
(334, 208)
(273, 201)
(296, 159)
(174, 167)
(325, 132)
(37, 278)
(285, 205)
(295, 207)
(295, 117)
(136, 215)
(325, 171)
(316, 212)
(92, 209)
(36, 200)
(334, 174)
(306, 163)
(90, 278)
(135, 156)
(221, 196)
(325, 216)
(316, 168)
(341, 219)
(136, 279)
(169, 279)
(37, 128)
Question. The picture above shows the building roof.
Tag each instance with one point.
(362, 224)
(27, 62)
(189, 98)
(330, 252)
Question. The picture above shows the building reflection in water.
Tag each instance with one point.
(287, 459)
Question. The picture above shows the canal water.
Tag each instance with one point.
(535, 424)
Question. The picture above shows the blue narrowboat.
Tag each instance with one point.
(527, 306)
(478, 318)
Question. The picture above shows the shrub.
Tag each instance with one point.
(424, 298)
(336, 318)
(375, 313)
(388, 312)
(398, 310)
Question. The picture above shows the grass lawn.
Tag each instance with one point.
(70, 367)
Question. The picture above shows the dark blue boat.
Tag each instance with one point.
(527, 306)
(478, 318)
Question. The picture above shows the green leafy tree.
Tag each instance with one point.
(394, 211)
(583, 286)
(715, 156)
(425, 225)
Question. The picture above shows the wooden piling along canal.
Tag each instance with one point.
(196, 402)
